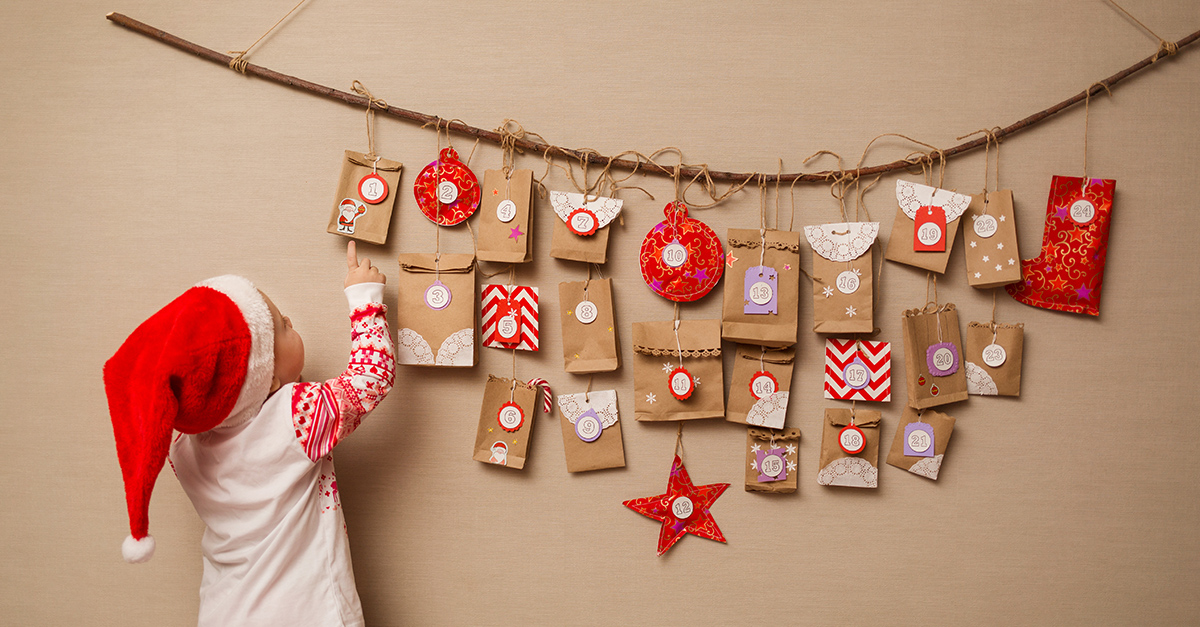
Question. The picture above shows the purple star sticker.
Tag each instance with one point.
(656, 285)
(1061, 213)
(1084, 292)
(701, 274)
(516, 233)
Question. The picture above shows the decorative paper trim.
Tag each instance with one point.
(751, 244)
(662, 352)
(842, 241)
(851, 472)
(603, 401)
(566, 203)
(913, 196)
(979, 382)
(769, 411)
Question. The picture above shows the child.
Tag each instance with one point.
(220, 365)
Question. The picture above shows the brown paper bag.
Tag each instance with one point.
(495, 443)
(775, 476)
(843, 276)
(760, 399)
(591, 430)
(504, 228)
(1003, 379)
(427, 336)
(920, 333)
(772, 322)
(588, 346)
(917, 458)
(565, 243)
(911, 197)
(860, 470)
(991, 241)
(352, 215)
(656, 356)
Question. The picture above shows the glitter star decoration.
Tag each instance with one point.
(682, 509)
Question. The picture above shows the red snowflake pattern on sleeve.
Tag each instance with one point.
(325, 413)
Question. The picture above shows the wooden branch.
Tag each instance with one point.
(628, 164)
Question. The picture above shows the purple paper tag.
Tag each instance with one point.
(856, 374)
(771, 465)
(942, 359)
(588, 426)
(761, 290)
(918, 440)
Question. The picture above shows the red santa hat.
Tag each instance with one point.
(203, 361)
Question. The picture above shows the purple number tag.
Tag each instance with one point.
(918, 440)
(761, 290)
(856, 374)
(588, 426)
(772, 466)
(942, 359)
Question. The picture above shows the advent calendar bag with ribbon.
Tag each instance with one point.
(850, 448)
(925, 225)
(762, 287)
(678, 377)
(591, 430)
(509, 317)
(505, 210)
(589, 333)
(991, 240)
(993, 356)
(772, 458)
(506, 422)
(366, 193)
(843, 285)
(435, 316)
(933, 356)
(581, 230)
(758, 394)
(920, 442)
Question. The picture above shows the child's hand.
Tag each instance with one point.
(361, 272)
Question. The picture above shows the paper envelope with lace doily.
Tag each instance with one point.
(937, 211)
(994, 365)
(843, 276)
(581, 230)
(591, 430)
(505, 212)
(656, 356)
(990, 239)
(758, 394)
(506, 422)
(912, 448)
(933, 357)
(366, 193)
(435, 315)
(772, 460)
(762, 287)
(839, 468)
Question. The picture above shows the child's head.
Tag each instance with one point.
(289, 348)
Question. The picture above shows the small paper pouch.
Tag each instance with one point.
(505, 422)
(589, 333)
(993, 358)
(843, 286)
(772, 458)
(366, 194)
(591, 430)
(933, 356)
(762, 287)
(581, 230)
(925, 225)
(850, 448)
(436, 309)
(920, 442)
(505, 213)
(678, 377)
(758, 394)
(991, 240)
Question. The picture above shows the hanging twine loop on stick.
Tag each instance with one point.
(372, 104)
(239, 62)
(1165, 48)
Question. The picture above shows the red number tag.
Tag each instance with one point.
(930, 232)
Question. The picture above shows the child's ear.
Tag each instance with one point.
(275, 384)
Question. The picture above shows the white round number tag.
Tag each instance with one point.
(772, 465)
(943, 358)
(372, 188)
(447, 192)
(761, 293)
(852, 440)
(682, 507)
(681, 383)
(586, 312)
(847, 282)
(994, 355)
(985, 226)
(507, 327)
(674, 254)
(856, 375)
(510, 416)
(763, 384)
(919, 441)
(582, 222)
(929, 234)
(506, 211)
(1083, 211)
(437, 296)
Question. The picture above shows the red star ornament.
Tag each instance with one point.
(683, 509)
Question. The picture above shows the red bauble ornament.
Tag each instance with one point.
(447, 191)
(681, 257)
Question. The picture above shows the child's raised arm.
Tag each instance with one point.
(325, 413)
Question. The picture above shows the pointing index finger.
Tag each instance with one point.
(351, 255)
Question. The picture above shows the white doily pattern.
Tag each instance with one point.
(913, 196)
(851, 472)
(979, 382)
(841, 241)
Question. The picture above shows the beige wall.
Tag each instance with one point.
(131, 170)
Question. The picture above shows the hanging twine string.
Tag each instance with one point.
(372, 104)
(239, 63)
(1086, 117)
(679, 441)
(1165, 48)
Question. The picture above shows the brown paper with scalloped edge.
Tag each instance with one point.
(781, 254)
(590, 347)
(494, 444)
(943, 427)
(496, 237)
(921, 332)
(1005, 379)
(839, 468)
(655, 355)
(352, 216)
(788, 443)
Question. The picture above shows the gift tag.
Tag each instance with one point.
(682, 507)
(437, 296)
(852, 440)
(848, 281)
(763, 384)
(994, 355)
(588, 426)
(510, 416)
(771, 465)
(1083, 211)
(507, 329)
(761, 287)
(373, 189)
(918, 440)
(930, 232)
(348, 212)
(583, 222)
(506, 211)
(942, 359)
(674, 254)
(681, 383)
(986, 226)
(856, 374)
(586, 312)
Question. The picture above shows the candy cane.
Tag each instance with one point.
(547, 403)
